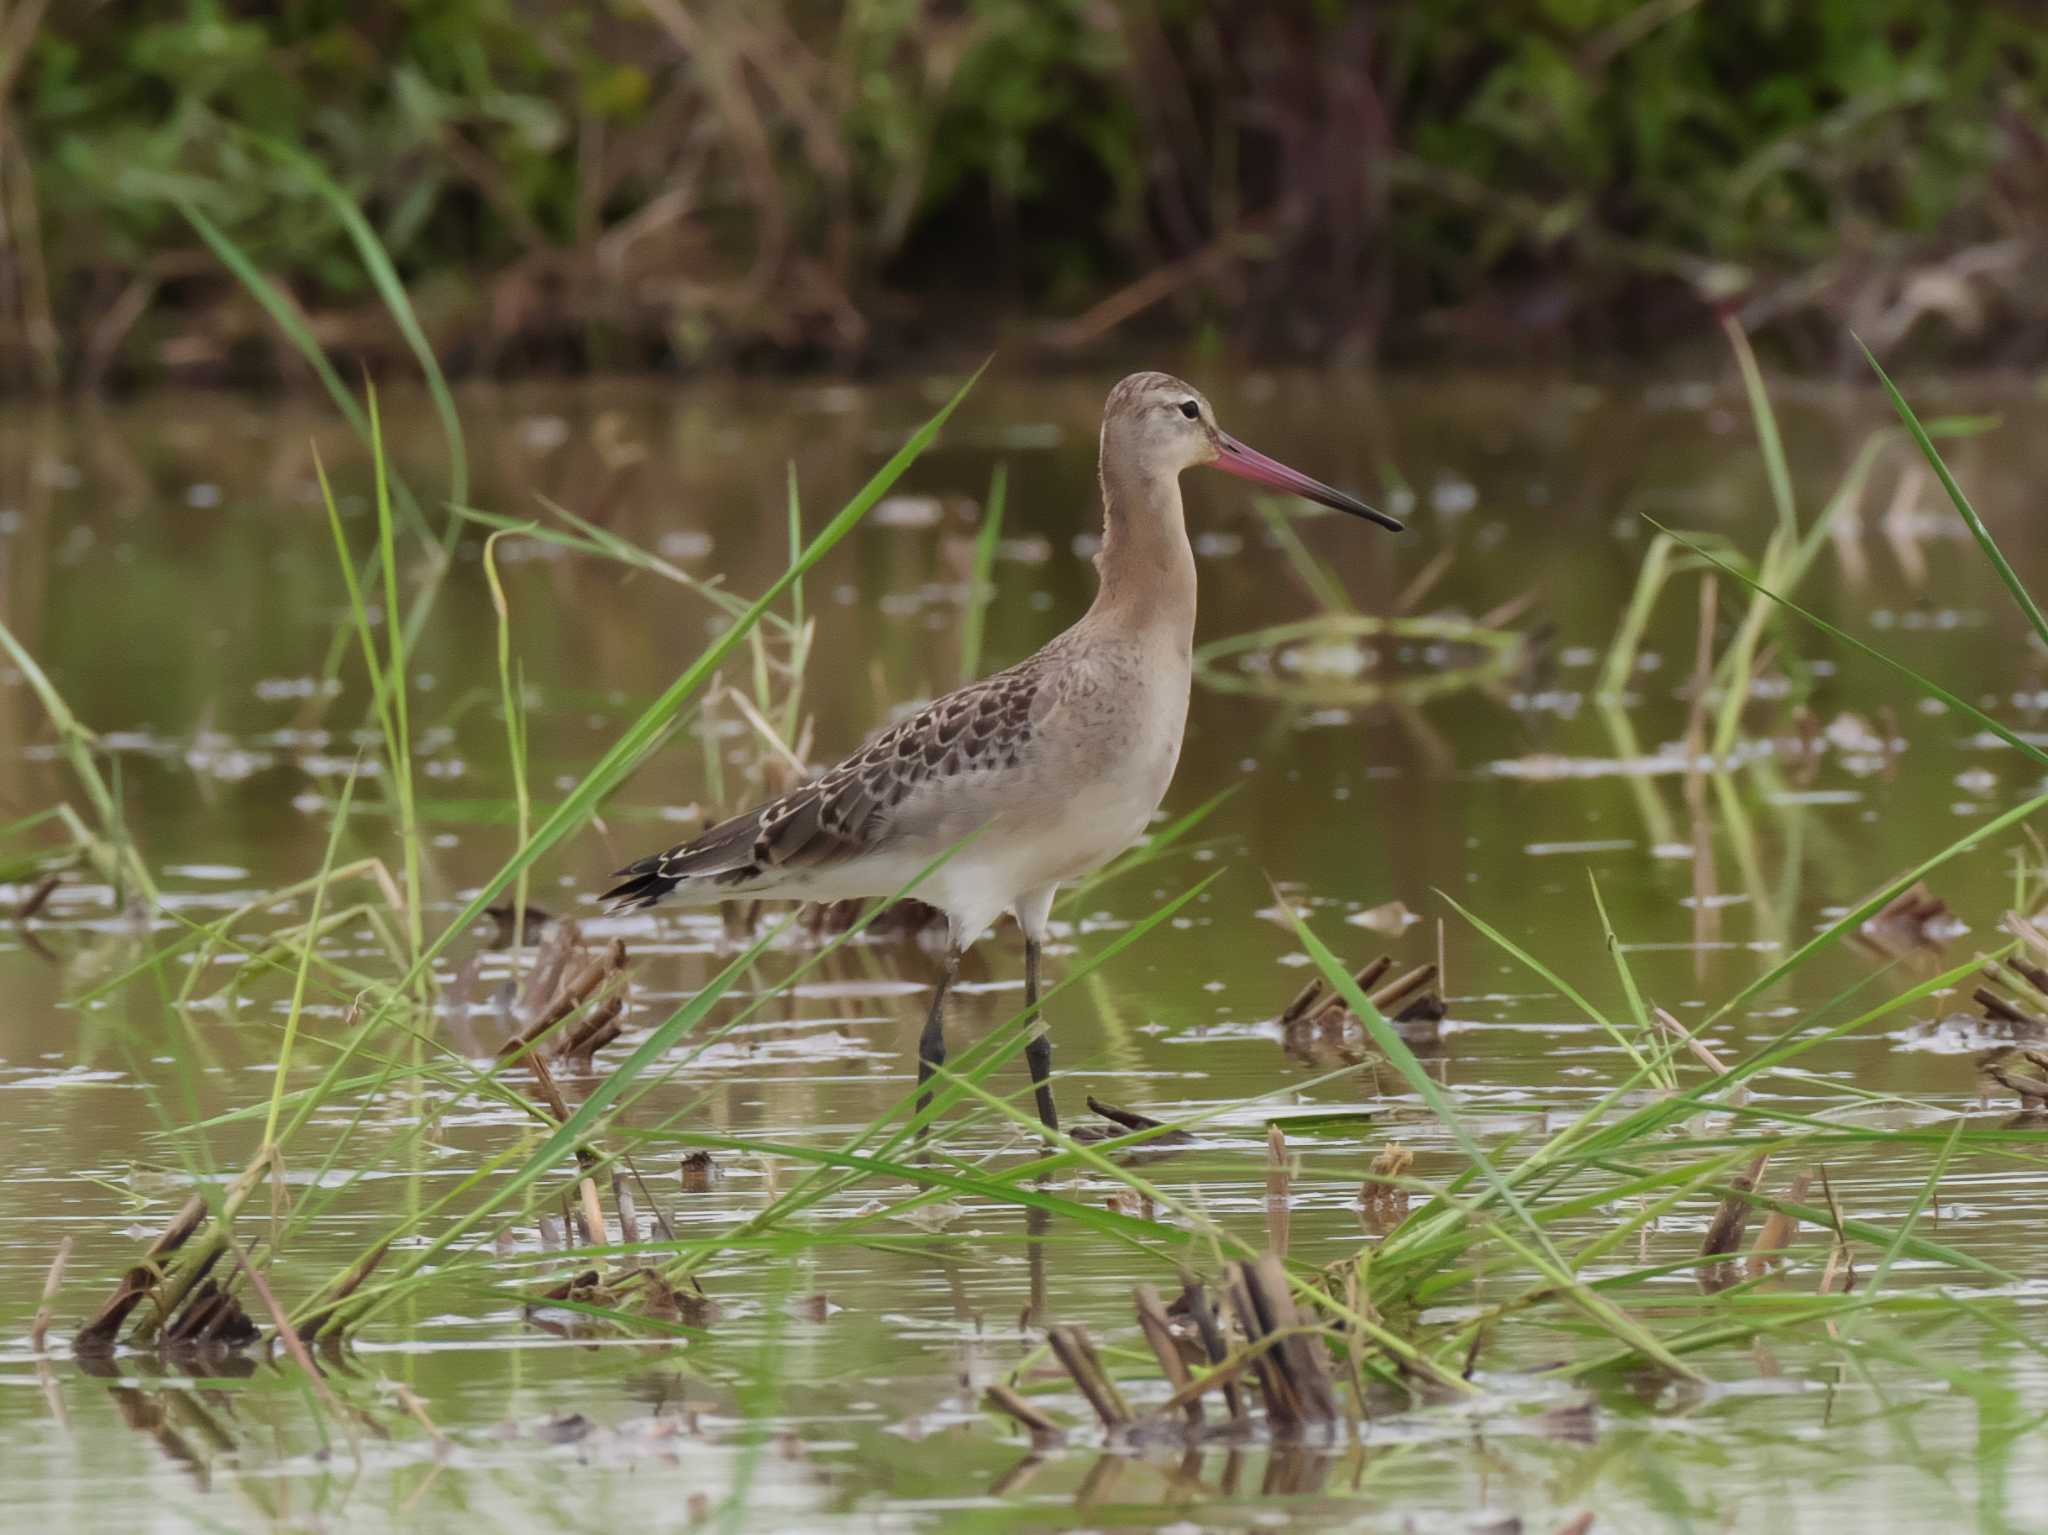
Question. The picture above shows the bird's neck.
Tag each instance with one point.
(1146, 567)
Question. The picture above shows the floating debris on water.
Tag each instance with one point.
(1391, 918)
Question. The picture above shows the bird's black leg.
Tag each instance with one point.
(931, 1046)
(1038, 1053)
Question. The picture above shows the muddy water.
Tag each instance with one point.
(168, 561)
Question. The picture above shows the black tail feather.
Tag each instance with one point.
(641, 885)
(720, 857)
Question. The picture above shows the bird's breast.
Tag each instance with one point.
(1111, 746)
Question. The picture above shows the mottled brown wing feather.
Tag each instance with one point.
(847, 810)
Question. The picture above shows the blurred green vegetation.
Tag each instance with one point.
(625, 183)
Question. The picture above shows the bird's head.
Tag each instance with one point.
(1160, 425)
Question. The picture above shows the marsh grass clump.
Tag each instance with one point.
(1258, 1355)
(1652, 1144)
(1318, 1026)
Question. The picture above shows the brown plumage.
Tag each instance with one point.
(850, 809)
(990, 798)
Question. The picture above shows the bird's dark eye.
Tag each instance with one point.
(1190, 409)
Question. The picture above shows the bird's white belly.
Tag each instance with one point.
(1099, 767)
(1053, 833)
(991, 874)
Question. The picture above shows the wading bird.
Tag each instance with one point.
(1033, 777)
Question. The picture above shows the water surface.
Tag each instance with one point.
(167, 559)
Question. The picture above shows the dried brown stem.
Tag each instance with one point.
(1308, 1364)
(1077, 1356)
(352, 1281)
(1283, 1402)
(98, 1334)
(1724, 1235)
(291, 1339)
(572, 995)
(1195, 1300)
(1166, 1349)
(1402, 987)
(1998, 1008)
(1778, 1228)
(52, 1281)
(1007, 1400)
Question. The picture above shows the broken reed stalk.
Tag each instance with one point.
(418, 1410)
(1282, 1352)
(549, 961)
(1301, 1355)
(39, 1330)
(1778, 1228)
(1166, 1349)
(1076, 1354)
(1281, 1404)
(698, 1172)
(1006, 1399)
(591, 1210)
(605, 1023)
(1196, 1301)
(309, 1330)
(622, 1201)
(663, 1227)
(2036, 976)
(291, 1339)
(33, 901)
(1999, 1009)
(1724, 1233)
(2029, 1091)
(98, 1334)
(1225, 1376)
(1685, 1036)
(1279, 1190)
(1317, 991)
(212, 1318)
(1124, 1119)
(1840, 1260)
(607, 966)
(1399, 990)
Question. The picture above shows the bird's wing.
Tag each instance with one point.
(851, 808)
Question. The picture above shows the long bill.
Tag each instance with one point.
(1250, 464)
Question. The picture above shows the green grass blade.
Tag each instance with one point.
(1538, 1248)
(1926, 685)
(298, 1002)
(1768, 439)
(399, 747)
(1833, 934)
(284, 314)
(512, 700)
(1551, 979)
(1637, 1009)
(1999, 562)
(1920, 1203)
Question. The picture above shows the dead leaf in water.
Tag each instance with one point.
(1392, 918)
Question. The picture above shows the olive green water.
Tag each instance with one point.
(168, 562)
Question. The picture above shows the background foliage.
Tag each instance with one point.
(601, 183)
